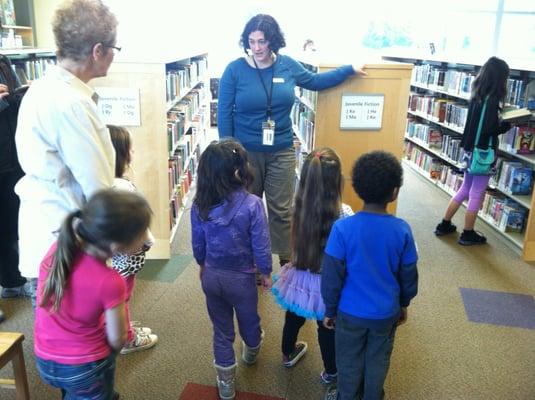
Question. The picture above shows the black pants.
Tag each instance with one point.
(292, 325)
(9, 220)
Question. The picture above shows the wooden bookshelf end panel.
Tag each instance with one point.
(391, 80)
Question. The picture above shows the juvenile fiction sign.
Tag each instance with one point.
(362, 111)
(119, 106)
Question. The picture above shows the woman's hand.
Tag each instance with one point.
(4, 91)
(359, 69)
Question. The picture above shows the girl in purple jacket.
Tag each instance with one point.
(230, 240)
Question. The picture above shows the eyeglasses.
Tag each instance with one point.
(117, 49)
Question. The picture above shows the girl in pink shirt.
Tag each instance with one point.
(80, 319)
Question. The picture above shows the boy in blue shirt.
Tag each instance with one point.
(369, 277)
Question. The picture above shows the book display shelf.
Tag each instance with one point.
(174, 113)
(437, 111)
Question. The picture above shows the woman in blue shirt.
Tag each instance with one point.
(256, 95)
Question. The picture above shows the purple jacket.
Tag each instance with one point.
(235, 237)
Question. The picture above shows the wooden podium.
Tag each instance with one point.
(384, 90)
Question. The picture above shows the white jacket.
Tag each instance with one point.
(66, 153)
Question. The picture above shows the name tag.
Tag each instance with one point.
(278, 80)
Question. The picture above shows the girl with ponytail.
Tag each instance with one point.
(80, 321)
(318, 204)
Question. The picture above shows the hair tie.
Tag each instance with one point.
(317, 154)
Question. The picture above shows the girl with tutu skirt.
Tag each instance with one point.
(297, 288)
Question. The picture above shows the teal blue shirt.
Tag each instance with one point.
(242, 105)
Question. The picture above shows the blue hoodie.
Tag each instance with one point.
(235, 236)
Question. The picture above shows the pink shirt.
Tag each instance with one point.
(76, 334)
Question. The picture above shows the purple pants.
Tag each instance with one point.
(473, 189)
(228, 292)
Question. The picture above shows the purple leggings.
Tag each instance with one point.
(473, 189)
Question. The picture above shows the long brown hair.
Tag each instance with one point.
(120, 138)
(491, 80)
(317, 206)
(110, 216)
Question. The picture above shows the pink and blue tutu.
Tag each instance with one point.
(299, 291)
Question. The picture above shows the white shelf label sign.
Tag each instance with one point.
(119, 106)
(362, 111)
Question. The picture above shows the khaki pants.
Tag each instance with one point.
(274, 176)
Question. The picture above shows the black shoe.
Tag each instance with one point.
(445, 228)
(470, 238)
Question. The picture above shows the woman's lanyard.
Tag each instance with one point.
(270, 94)
(268, 127)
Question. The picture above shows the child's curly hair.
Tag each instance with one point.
(375, 175)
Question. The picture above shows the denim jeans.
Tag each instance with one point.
(362, 358)
(89, 381)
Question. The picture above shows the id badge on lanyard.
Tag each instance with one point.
(268, 132)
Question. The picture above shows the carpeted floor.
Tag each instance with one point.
(470, 334)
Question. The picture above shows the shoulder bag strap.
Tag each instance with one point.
(480, 125)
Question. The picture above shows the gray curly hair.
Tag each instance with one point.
(78, 25)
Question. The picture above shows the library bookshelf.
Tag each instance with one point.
(29, 64)
(318, 116)
(174, 117)
(437, 109)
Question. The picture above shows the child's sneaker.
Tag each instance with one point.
(296, 355)
(470, 238)
(445, 228)
(328, 378)
(140, 342)
(136, 326)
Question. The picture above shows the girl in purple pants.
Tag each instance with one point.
(490, 86)
(230, 240)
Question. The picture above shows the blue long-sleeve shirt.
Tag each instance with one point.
(369, 269)
(235, 236)
(242, 105)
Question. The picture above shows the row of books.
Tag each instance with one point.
(214, 88)
(426, 133)
(506, 214)
(303, 119)
(213, 113)
(178, 199)
(501, 211)
(434, 138)
(301, 152)
(439, 110)
(459, 83)
(308, 96)
(181, 76)
(432, 165)
(181, 176)
(512, 177)
(181, 116)
(518, 140)
(514, 92)
(455, 82)
(30, 70)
